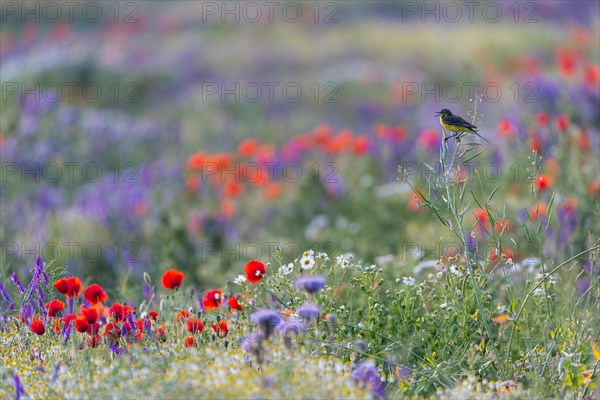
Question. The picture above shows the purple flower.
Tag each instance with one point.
(310, 284)
(5, 293)
(17, 283)
(309, 312)
(471, 243)
(26, 311)
(252, 344)
(115, 349)
(70, 304)
(19, 391)
(131, 323)
(66, 331)
(360, 346)
(40, 267)
(367, 375)
(567, 216)
(56, 371)
(583, 282)
(147, 291)
(148, 329)
(266, 320)
(291, 328)
(41, 297)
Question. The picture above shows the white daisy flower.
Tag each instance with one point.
(307, 261)
(410, 281)
(286, 269)
(342, 262)
(309, 253)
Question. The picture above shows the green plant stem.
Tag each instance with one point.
(461, 233)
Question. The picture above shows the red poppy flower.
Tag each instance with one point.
(212, 299)
(248, 147)
(221, 329)
(535, 143)
(128, 310)
(227, 208)
(194, 325)
(93, 341)
(383, 131)
(57, 324)
(542, 182)
(233, 303)
(361, 144)
(562, 123)
(182, 314)
(272, 190)
(567, 62)
(37, 326)
(95, 294)
(94, 328)
(139, 336)
(584, 142)
(429, 140)
(74, 286)
(502, 225)
(196, 160)
(160, 335)
(62, 285)
(54, 307)
(153, 315)
(192, 184)
(70, 287)
(190, 341)
(233, 189)
(506, 253)
(592, 75)
(172, 279)
(112, 331)
(68, 318)
(538, 211)
(399, 133)
(222, 161)
(255, 271)
(483, 220)
(90, 314)
(542, 119)
(117, 312)
(81, 325)
(505, 127)
(593, 189)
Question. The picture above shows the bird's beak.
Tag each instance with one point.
(437, 113)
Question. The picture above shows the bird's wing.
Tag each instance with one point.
(459, 121)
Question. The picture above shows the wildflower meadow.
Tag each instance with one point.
(258, 200)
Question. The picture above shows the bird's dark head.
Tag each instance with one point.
(444, 112)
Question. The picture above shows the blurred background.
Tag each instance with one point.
(141, 136)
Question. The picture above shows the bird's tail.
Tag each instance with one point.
(475, 132)
(471, 131)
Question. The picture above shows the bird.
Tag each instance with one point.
(456, 124)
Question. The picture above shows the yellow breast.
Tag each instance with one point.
(452, 128)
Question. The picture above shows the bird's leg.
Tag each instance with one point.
(450, 137)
